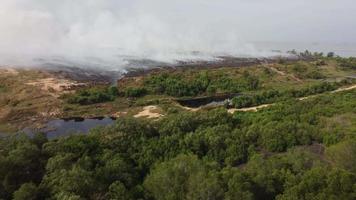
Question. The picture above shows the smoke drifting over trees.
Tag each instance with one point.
(109, 31)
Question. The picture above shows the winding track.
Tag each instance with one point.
(255, 108)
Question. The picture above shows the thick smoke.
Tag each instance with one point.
(108, 33)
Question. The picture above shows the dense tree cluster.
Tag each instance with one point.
(203, 83)
(202, 155)
(168, 84)
(22, 166)
(93, 95)
(135, 92)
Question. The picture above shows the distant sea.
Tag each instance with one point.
(340, 49)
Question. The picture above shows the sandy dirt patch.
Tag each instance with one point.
(191, 109)
(50, 113)
(3, 113)
(250, 109)
(345, 89)
(308, 97)
(55, 86)
(276, 70)
(8, 71)
(149, 112)
(119, 114)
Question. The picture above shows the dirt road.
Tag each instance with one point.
(256, 108)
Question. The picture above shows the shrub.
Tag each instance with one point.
(93, 95)
(330, 55)
(273, 96)
(202, 83)
(135, 92)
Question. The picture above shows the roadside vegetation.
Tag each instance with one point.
(273, 96)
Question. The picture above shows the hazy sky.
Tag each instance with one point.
(156, 28)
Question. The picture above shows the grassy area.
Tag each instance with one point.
(293, 150)
(280, 76)
(23, 105)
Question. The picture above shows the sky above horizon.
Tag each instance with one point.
(155, 27)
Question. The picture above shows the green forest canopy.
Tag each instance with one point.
(203, 155)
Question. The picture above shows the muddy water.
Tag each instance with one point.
(65, 127)
(206, 101)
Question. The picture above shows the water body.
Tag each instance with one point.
(66, 127)
(206, 101)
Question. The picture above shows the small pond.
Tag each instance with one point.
(206, 101)
(65, 127)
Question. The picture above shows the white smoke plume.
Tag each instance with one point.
(109, 32)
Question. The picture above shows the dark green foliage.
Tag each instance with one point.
(308, 54)
(22, 160)
(113, 91)
(321, 183)
(93, 95)
(268, 154)
(337, 154)
(184, 177)
(174, 85)
(81, 166)
(203, 83)
(240, 186)
(27, 191)
(304, 71)
(118, 191)
(330, 55)
(315, 75)
(135, 92)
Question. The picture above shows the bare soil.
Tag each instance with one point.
(149, 112)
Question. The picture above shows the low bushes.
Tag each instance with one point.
(274, 96)
(94, 95)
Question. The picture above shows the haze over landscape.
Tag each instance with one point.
(108, 33)
(177, 99)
